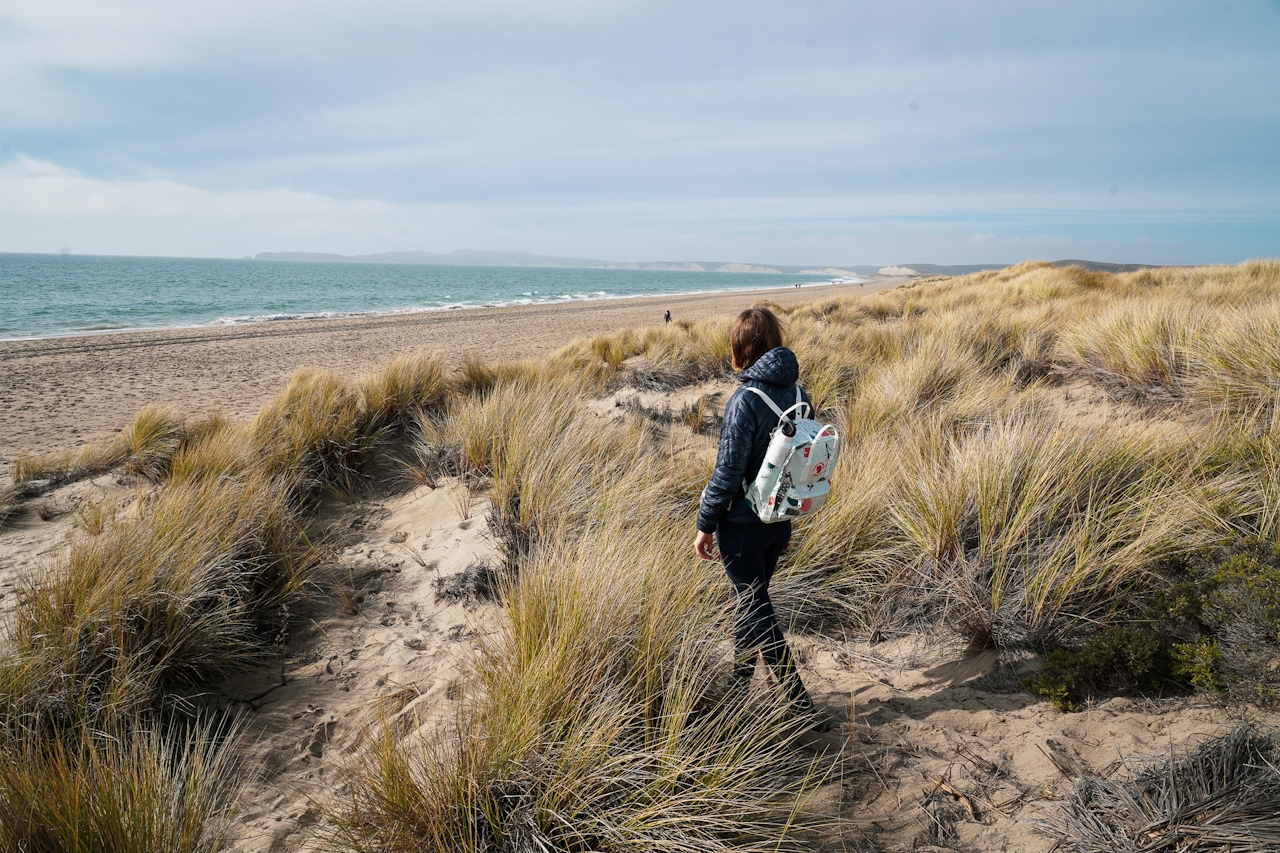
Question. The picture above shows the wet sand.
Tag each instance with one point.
(58, 393)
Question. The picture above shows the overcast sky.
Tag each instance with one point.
(784, 132)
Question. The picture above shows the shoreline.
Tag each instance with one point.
(60, 393)
(572, 299)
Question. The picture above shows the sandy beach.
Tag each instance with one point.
(58, 393)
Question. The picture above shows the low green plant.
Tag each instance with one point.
(1224, 605)
(1199, 664)
(1118, 659)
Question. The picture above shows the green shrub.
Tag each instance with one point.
(1198, 664)
(1116, 660)
(1224, 606)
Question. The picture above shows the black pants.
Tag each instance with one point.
(750, 553)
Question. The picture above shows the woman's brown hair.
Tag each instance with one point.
(755, 332)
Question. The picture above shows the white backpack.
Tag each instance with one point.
(794, 478)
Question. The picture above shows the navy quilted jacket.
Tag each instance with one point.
(744, 437)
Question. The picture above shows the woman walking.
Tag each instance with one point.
(750, 548)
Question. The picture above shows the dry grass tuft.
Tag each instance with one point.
(316, 434)
(145, 448)
(1023, 527)
(600, 717)
(94, 517)
(225, 452)
(41, 472)
(477, 376)
(1139, 344)
(659, 358)
(151, 441)
(602, 720)
(1219, 795)
(10, 500)
(696, 415)
(159, 603)
(127, 791)
(409, 384)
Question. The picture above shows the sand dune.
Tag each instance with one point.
(944, 748)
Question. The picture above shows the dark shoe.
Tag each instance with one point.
(818, 720)
(813, 718)
(738, 690)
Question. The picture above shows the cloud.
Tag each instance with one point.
(637, 129)
(44, 206)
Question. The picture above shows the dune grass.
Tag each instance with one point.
(139, 791)
(971, 494)
(166, 601)
(10, 498)
(94, 517)
(595, 727)
(183, 591)
(146, 448)
(1023, 527)
(658, 358)
(598, 718)
(149, 609)
(56, 469)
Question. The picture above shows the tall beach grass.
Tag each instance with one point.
(598, 717)
(101, 660)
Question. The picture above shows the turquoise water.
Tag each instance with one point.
(52, 295)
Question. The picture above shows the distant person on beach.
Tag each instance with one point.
(666, 318)
(750, 548)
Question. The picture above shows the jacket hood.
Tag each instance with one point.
(778, 366)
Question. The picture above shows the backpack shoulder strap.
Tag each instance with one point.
(801, 404)
(781, 413)
(767, 399)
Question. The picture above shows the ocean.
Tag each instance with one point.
(57, 295)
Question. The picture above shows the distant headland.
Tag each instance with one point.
(473, 257)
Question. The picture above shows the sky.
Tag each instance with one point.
(798, 132)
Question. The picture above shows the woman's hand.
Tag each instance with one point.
(704, 545)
